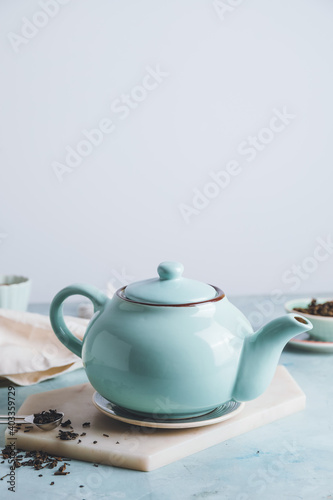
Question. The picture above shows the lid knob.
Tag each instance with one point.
(170, 270)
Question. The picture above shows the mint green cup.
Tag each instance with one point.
(14, 292)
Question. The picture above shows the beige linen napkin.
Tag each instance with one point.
(29, 349)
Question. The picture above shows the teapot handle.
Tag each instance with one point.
(56, 313)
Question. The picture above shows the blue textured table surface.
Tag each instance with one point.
(288, 459)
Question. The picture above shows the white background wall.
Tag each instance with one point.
(118, 211)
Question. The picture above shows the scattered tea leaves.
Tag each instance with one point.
(67, 435)
(61, 471)
(66, 424)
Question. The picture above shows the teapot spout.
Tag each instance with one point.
(261, 353)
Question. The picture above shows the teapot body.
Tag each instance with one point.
(165, 360)
(173, 359)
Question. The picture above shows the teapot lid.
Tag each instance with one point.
(170, 288)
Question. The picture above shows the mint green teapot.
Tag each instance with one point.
(174, 347)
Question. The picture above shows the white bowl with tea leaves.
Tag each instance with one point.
(319, 312)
